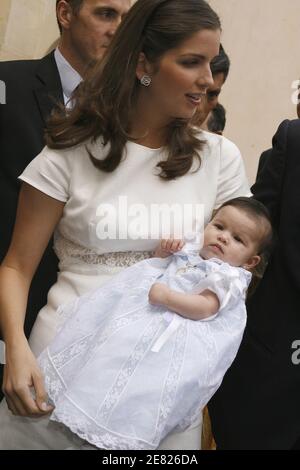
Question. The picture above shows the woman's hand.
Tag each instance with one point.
(168, 247)
(23, 384)
(158, 294)
(37, 217)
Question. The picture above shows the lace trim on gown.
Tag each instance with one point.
(87, 427)
(51, 365)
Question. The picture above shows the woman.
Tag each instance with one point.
(127, 141)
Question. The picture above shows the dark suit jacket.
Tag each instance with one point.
(32, 88)
(257, 405)
(263, 159)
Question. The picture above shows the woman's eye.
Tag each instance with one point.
(190, 63)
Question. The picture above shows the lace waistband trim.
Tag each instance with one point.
(68, 251)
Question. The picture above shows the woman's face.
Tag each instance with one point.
(182, 76)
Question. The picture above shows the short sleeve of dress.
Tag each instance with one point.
(232, 181)
(49, 172)
(230, 284)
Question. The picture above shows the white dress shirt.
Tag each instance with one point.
(69, 78)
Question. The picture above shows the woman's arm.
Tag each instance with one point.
(37, 217)
(192, 306)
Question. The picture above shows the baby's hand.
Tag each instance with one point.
(168, 247)
(158, 294)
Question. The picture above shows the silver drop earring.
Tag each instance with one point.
(145, 80)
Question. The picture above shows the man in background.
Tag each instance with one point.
(216, 120)
(220, 66)
(33, 89)
(257, 405)
(263, 159)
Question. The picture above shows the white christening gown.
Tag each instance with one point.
(123, 373)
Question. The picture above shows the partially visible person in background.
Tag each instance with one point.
(220, 66)
(263, 384)
(257, 405)
(87, 28)
(216, 120)
(263, 159)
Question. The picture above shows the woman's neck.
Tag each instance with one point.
(148, 125)
(148, 138)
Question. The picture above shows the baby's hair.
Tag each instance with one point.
(259, 212)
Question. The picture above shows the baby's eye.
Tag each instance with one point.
(238, 239)
(219, 226)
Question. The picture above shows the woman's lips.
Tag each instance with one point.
(195, 99)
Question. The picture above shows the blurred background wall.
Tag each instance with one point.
(27, 28)
(261, 37)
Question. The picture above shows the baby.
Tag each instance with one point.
(233, 236)
(141, 356)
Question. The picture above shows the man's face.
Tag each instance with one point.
(93, 26)
(211, 100)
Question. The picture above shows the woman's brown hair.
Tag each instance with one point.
(105, 99)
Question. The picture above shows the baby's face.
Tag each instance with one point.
(233, 237)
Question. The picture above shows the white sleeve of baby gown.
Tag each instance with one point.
(50, 173)
(229, 284)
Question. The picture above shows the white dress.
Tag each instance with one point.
(118, 201)
(123, 374)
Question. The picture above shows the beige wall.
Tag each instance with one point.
(27, 28)
(261, 37)
(4, 13)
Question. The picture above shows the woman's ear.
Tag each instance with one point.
(143, 66)
(252, 262)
